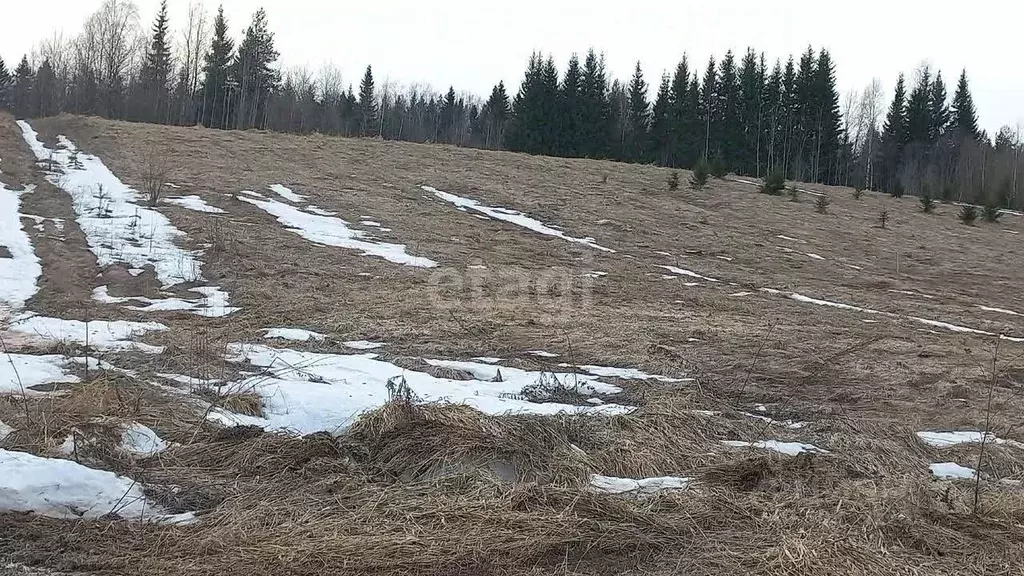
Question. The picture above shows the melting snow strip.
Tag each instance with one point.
(64, 489)
(318, 211)
(296, 334)
(139, 440)
(112, 335)
(117, 228)
(309, 392)
(19, 373)
(791, 239)
(286, 193)
(330, 231)
(952, 471)
(624, 373)
(212, 304)
(542, 353)
(615, 485)
(684, 272)
(788, 448)
(947, 439)
(362, 345)
(20, 272)
(512, 217)
(815, 256)
(193, 202)
(1000, 310)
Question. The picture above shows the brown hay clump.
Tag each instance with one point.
(404, 441)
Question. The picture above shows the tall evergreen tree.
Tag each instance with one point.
(963, 117)
(5, 85)
(596, 115)
(894, 138)
(828, 128)
(751, 80)
(683, 121)
(727, 112)
(708, 107)
(496, 113)
(638, 116)
(155, 75)
(367, 105)
(21, 99)
(215, 92)
(939, 108)
(534, 129)
(570, 103)
(774, 114)
(919, 110)
(660, 133)
(449, 117)
(252, 73)
(44, 91)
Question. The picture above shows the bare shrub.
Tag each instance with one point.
(156, 168)
(673, 180)
(821, 204)
(883, 219)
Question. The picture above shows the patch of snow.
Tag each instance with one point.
(792, 425)
(952, 471)
(761, 408)
(662, 253)
(477, 267)
(542, 353)
(595, 401)
(1011, 231)
(188, 380)
(251, 193)
(867, 321)
(140, 440)
(707, 413)
(319, 211)
(912, 293)
(615, 485)
(286, 193)
(791, 239)
(625, 373)
(297, 334)
(5, 431)
(212, 304)
(109, 335)
(815, 256)
(808, 300)
(726, 258)
(172, 185)
(786, 250)
(331, 231)
(19, 372)
(116, 226)
(586, 384)
(363, 345)
(595, 274)
(370, 223)
(853, 266)
(1000, 310)
(64, 489)
(195, 203)
(787, 448)
(685, 272)
(512, 217)
(947, 439)
(135, 271)
(487, 359)
(741, 294)
(20, 272)
(309, 392)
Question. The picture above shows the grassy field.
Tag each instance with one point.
(765, 320)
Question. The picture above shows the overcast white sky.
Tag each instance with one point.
(473, 44)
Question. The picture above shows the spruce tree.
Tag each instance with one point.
(638, 117)
(21, 98)
(894, 137)
(252, 73)
(534, 129)
(963, 118)
(449, 117)
(44, 91)
(727, 112)
(570, 103)
(660, 134)
(805, 116)
(939, 107)
(829, 127)
(682, 118)
(367, 105)
(155, 74)
(751, 86)
(919, 110)
(708, 106)
(496, 113)
(773, 127)
(5, 84)
(214, 111)
(596, 118)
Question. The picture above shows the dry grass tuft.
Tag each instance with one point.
(247, 403)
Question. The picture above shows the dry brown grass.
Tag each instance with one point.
(445, 490)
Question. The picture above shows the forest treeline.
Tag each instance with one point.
(739, 112)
